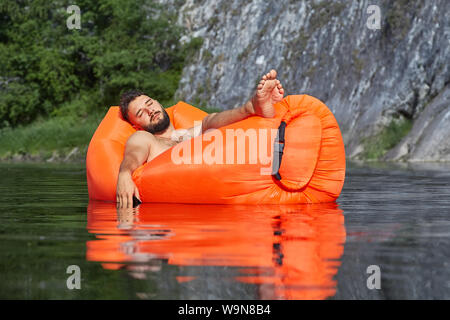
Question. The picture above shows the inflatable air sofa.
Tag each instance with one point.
(296, 157)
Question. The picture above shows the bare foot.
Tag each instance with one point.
(268, 92)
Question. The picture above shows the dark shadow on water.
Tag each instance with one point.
(221, 251)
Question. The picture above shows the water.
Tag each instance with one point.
(388, 216)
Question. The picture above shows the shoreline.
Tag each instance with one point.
(77, 155)
(74, 155)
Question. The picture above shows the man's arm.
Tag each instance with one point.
(224, 118)
(220, 119)
(136, 153)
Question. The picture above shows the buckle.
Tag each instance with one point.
(278, 147)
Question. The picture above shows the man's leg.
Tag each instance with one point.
(268, 92)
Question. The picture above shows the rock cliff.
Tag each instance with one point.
(370, 78)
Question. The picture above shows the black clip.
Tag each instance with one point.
(278, 149)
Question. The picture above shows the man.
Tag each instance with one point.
(155, 132)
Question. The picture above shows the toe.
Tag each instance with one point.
(273, 73)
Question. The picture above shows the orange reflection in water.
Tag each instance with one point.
(292, 252)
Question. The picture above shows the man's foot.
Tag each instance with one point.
(268, 92)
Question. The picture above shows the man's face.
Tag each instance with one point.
(146, 113)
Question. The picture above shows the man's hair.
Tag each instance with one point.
(125, 100)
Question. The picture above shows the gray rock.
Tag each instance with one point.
(55, 156)
(429, 139)
(325, 49)
(73, 153)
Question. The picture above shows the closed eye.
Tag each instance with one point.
(140, 111)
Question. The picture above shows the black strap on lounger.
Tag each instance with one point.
(278, 149)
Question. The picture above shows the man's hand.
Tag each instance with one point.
(126, 189)
(136, 152)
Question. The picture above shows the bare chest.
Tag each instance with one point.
(158, 145)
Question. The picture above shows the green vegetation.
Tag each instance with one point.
(244, 54)
(398, 20)
(358, 63)
(60, 80)
(324, 12)
(44, 138)
(375, 147)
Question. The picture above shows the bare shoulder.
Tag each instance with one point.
(140, 138)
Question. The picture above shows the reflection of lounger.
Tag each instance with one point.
(307, 166)
(292, 251)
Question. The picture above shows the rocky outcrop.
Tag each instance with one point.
(429, 139)
(325, 48)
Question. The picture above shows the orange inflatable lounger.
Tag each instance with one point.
(296, 157)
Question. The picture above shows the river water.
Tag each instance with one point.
(388, 237)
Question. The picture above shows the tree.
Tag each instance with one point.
(47, 69)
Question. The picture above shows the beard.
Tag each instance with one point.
(161, 125)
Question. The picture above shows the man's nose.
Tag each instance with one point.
(150, 110)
